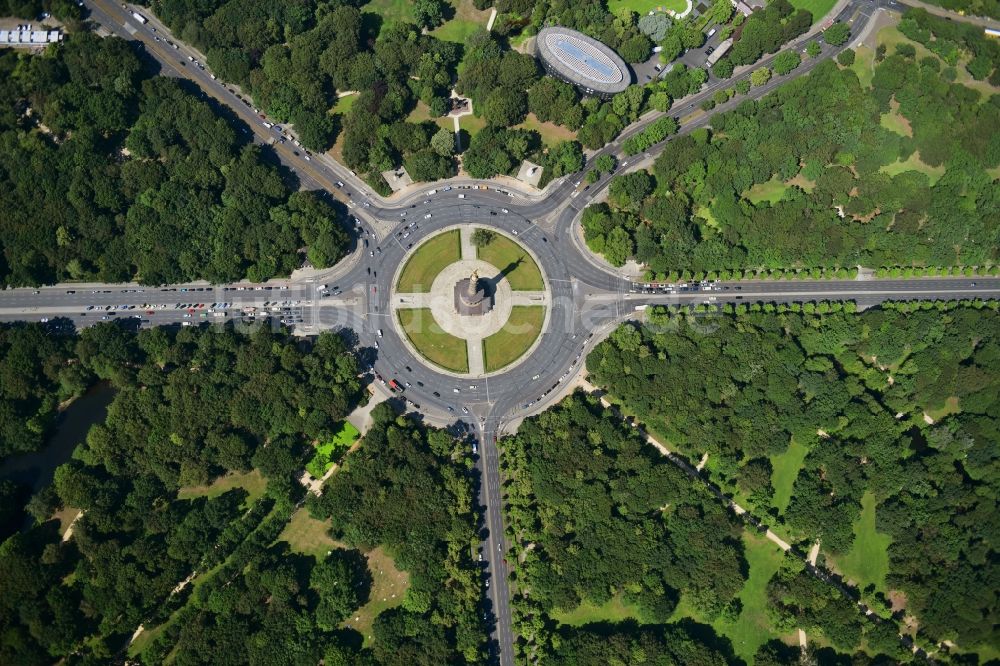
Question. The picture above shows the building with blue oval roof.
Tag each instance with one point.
(583, 61)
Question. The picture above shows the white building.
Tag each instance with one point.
(29, 37)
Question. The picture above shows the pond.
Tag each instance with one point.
(37, 469)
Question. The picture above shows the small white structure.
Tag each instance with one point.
(720, 51)
(29, 37)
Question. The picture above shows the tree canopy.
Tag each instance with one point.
(847, 190)
(855, 391)
(109, 175)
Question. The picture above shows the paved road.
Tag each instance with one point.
(588, 300)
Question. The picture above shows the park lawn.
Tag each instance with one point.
(467, 20)
(772, 191)
(389, 586)
(891, 36)
(253, 482)
(432, 342)
(949, 407)
(145, 639)
(344, 104)
(753, 627)
(868, 560)
(818, 8)
(391, 10)
(705, 213)
(428, 260)
(304, 534)
(516, 337)
(863, 65)
(422, 113)
(471, 124)
(322, 460)
(550, 132)
(914, 163)
(784, 470)
(896, 122)
(520, 270)
(65, 515)
(614, 609)
(642, 7)
(799, 180)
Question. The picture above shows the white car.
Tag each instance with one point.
(427, 216)
(379, 332)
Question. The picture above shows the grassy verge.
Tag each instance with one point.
(520, 270)
(327, 452)
(252, 482)
(432, 342)
(784, 470)
(428, 260)
(513, 340)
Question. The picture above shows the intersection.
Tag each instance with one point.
(587, 299)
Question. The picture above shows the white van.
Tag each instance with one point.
(711, 32)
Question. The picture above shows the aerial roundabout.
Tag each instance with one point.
(470, 300)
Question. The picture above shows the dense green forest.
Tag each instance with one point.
(970, 7)
(108, 174)
(826, 420)
(270, 605)
(294, 60)
(599, 517)
(406, 489)
(35, 377)
(190, 405)
(823, 144)
(67, 11)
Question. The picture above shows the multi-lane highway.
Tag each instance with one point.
(587, 298)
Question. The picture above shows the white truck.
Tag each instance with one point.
(139, 17)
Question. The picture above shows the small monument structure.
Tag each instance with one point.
(472, 297)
